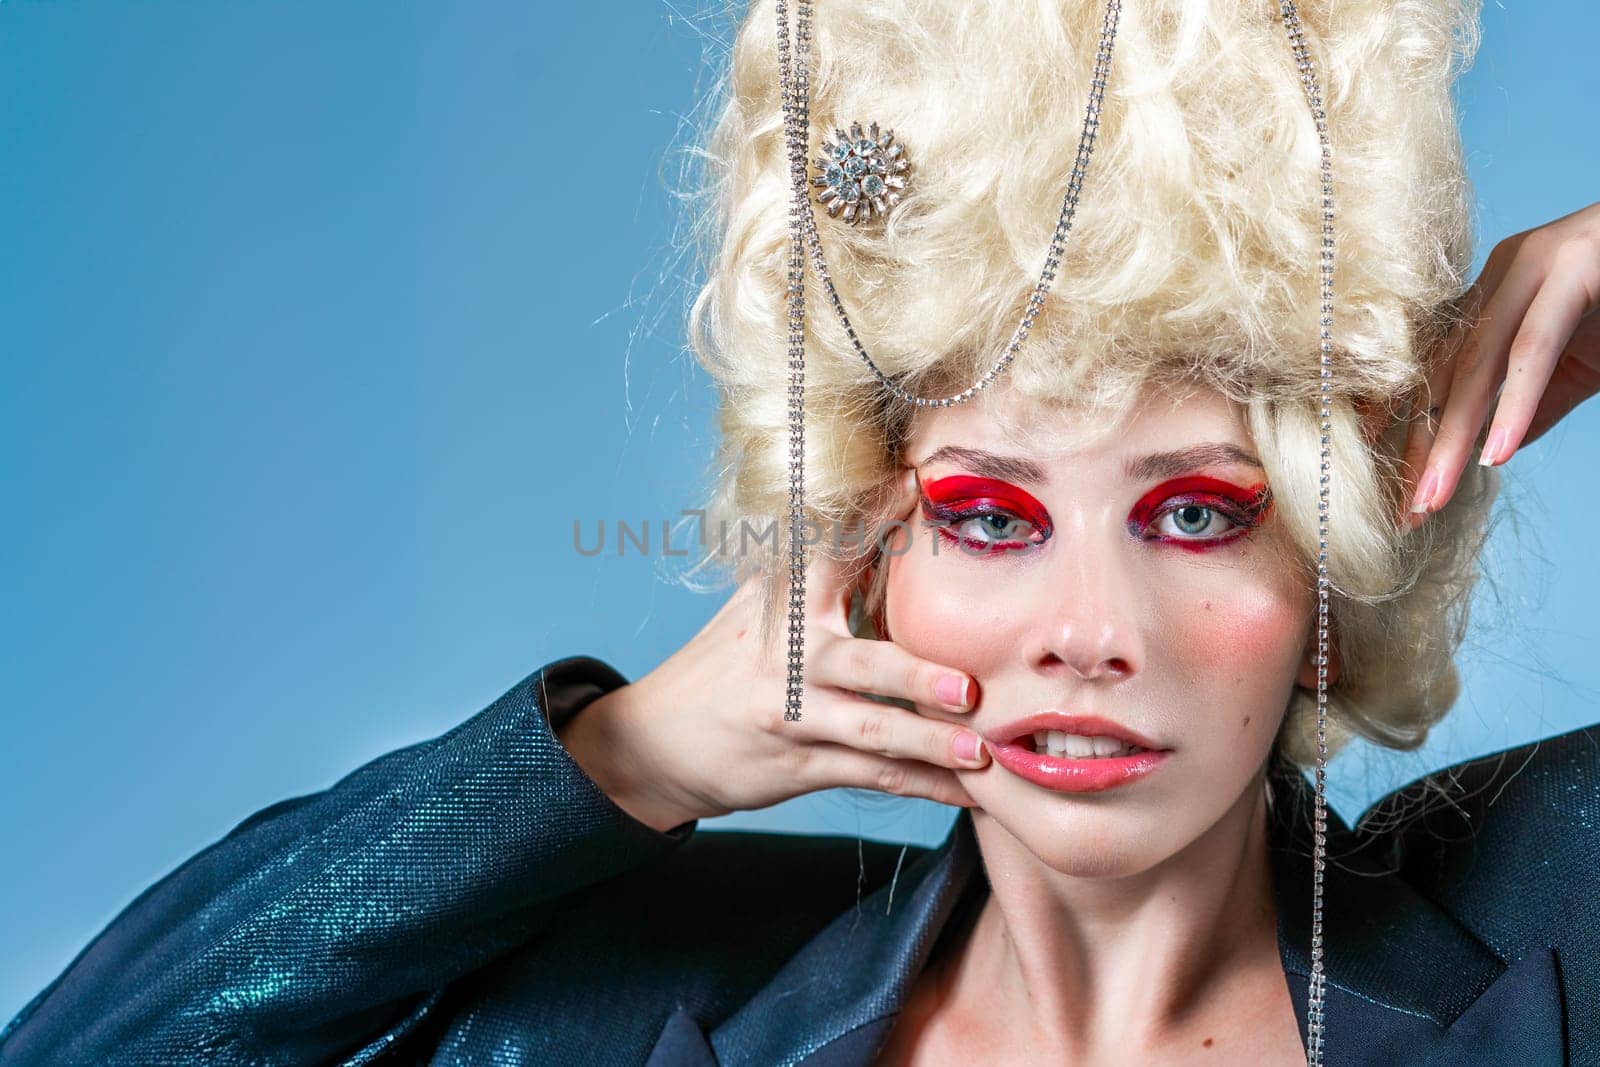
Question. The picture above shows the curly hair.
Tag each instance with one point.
(1192, 262)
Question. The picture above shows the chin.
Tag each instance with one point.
(1083, 837)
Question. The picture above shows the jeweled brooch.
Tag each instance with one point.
(861, 173)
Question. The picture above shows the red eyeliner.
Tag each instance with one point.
(1246, 508)
(960, 496)
(949, 500)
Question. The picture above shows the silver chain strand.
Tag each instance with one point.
(1315, 1029)
(795, 121)
(795, 92)
(1047, 275)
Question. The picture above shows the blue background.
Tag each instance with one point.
(322, 321)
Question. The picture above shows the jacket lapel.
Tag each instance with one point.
(682, 1044)
(835, 1000)
(1405, 982)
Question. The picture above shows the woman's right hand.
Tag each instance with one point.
(704, 733)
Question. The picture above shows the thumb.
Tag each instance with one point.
(906, 502)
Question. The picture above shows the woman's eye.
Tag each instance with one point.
(995, 528)
(1196, 522)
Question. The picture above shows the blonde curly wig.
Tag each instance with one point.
(1192, 261)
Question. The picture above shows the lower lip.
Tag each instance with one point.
(1067, 775)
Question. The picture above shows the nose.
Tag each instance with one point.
(1088, 619)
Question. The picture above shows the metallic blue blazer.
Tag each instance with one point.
(475, 898)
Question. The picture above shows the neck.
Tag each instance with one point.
(1091, 967)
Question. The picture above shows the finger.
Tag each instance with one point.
(1374, 418)
(829, 586)
(906, 495)
(1574, 381)
(851, 768)
(1570, 290)
(1423, 429)
(1426, 410)
(838, 578)
(883, 668)
(887, 730)
(896, 531)
(1421, 436)
(1479, 370)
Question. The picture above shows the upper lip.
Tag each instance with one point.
(1087, 725)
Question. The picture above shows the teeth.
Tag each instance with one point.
(1076, 746)
(1105, 746)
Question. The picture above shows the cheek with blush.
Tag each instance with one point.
(1247, 642)
(1244, 632)
(941, 616)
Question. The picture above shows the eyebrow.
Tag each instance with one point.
(1138, 468)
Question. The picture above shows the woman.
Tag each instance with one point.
(1107, 556)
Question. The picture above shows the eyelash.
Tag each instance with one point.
(1242, 523)
(1244, 519)
(947, 519)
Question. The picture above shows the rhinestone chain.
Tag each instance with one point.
(1069, 207)
(795, 91)
(1315, 1030)
(796, 104)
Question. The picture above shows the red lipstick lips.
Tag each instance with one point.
(1012, 747)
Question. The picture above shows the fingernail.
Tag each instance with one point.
(1492, 448)
(1425, 491)
(952, 689)
(969, 747)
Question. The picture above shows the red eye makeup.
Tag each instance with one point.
(950, 503)
(955, 505)
(1244, 507)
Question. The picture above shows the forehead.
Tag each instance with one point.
(1006, 423)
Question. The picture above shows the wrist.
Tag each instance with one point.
(598, 738)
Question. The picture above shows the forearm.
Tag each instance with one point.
(322, 921)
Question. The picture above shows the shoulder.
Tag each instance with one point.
(1509, 845)
(1526, 818)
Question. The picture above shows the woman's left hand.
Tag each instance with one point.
(1530, 325)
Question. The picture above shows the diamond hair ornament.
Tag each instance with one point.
(861, 173)
(794, 88)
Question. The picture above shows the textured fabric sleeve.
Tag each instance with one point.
(325, 926)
